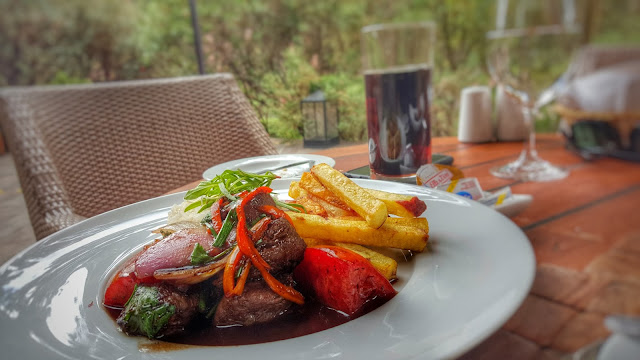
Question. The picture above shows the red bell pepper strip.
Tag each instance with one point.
(279, 288)
(242, 280)
(242, 234)
(228, 277)
(246, 246)
(275, 212)
(216, 214)
(259, 228)
(234, 261)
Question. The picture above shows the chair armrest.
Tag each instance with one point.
(56, 221)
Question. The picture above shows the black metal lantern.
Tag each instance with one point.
(320, 119)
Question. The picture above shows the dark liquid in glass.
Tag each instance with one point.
(398, 120)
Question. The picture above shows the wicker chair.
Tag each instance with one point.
(81, 150)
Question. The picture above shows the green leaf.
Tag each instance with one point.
(145, 314)
(199, 255)
(226, 184)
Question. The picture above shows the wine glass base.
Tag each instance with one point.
(531, 170)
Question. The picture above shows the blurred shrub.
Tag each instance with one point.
(347, 91)
(278, 50)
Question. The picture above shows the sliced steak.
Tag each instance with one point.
(158, 311)
(258, 304)
(252, 209)
(283, 249)
(281, 246)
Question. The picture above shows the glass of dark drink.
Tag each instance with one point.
(397, 60)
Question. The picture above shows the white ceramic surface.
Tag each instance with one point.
(474, 118)
(514, 205)
(478, 271)
(259, 164)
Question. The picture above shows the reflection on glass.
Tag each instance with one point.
(529, 48)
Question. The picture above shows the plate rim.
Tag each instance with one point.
(438, 194)
(207, 174)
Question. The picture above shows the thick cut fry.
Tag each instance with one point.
(420, 223)
(305, 198)
(310, 183)
(400, 205)
(295, 191)
(311, 206)
(371, 209)
(384, 264)
(333, 211)
(358, 232)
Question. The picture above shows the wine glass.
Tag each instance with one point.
(529, 48)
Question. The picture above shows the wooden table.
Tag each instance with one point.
(585, 231)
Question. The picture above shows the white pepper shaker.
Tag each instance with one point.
(474, 121)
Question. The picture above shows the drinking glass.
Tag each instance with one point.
(529, 48)
(397, 60)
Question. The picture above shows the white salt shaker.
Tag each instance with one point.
(510, 124)
(474, 121)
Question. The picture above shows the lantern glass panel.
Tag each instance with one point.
(332, 120)
(311, 121)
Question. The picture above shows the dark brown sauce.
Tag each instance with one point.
(310, 318)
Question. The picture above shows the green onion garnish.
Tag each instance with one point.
(289, 206)
(228, 183)
(227, 225)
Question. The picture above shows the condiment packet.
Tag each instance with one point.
(441, 177)
(467, 187)
(433, 175)
(496, 198)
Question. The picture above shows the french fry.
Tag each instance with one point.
(420, 223)
(301, 195)
(384, 264)
(333, 211)
(295, 191)
(371, 209)
(309, 182)
(358, 232)
(311, 206)
(400, 205)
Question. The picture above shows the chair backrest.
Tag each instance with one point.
(81, 150)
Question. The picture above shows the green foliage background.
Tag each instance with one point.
(278, 50)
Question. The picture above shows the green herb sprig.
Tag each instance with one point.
(228, 183)
(289, 206)
(145, 313)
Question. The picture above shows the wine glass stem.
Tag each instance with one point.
(529, 151)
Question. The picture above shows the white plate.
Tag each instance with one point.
(479, 270)
(261, 164)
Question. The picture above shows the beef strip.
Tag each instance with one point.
(251, 210)
(258, 304)
(283, 249)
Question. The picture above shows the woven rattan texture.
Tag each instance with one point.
(85, 149)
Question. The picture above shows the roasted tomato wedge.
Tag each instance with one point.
(341, 279)
(120, 290)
